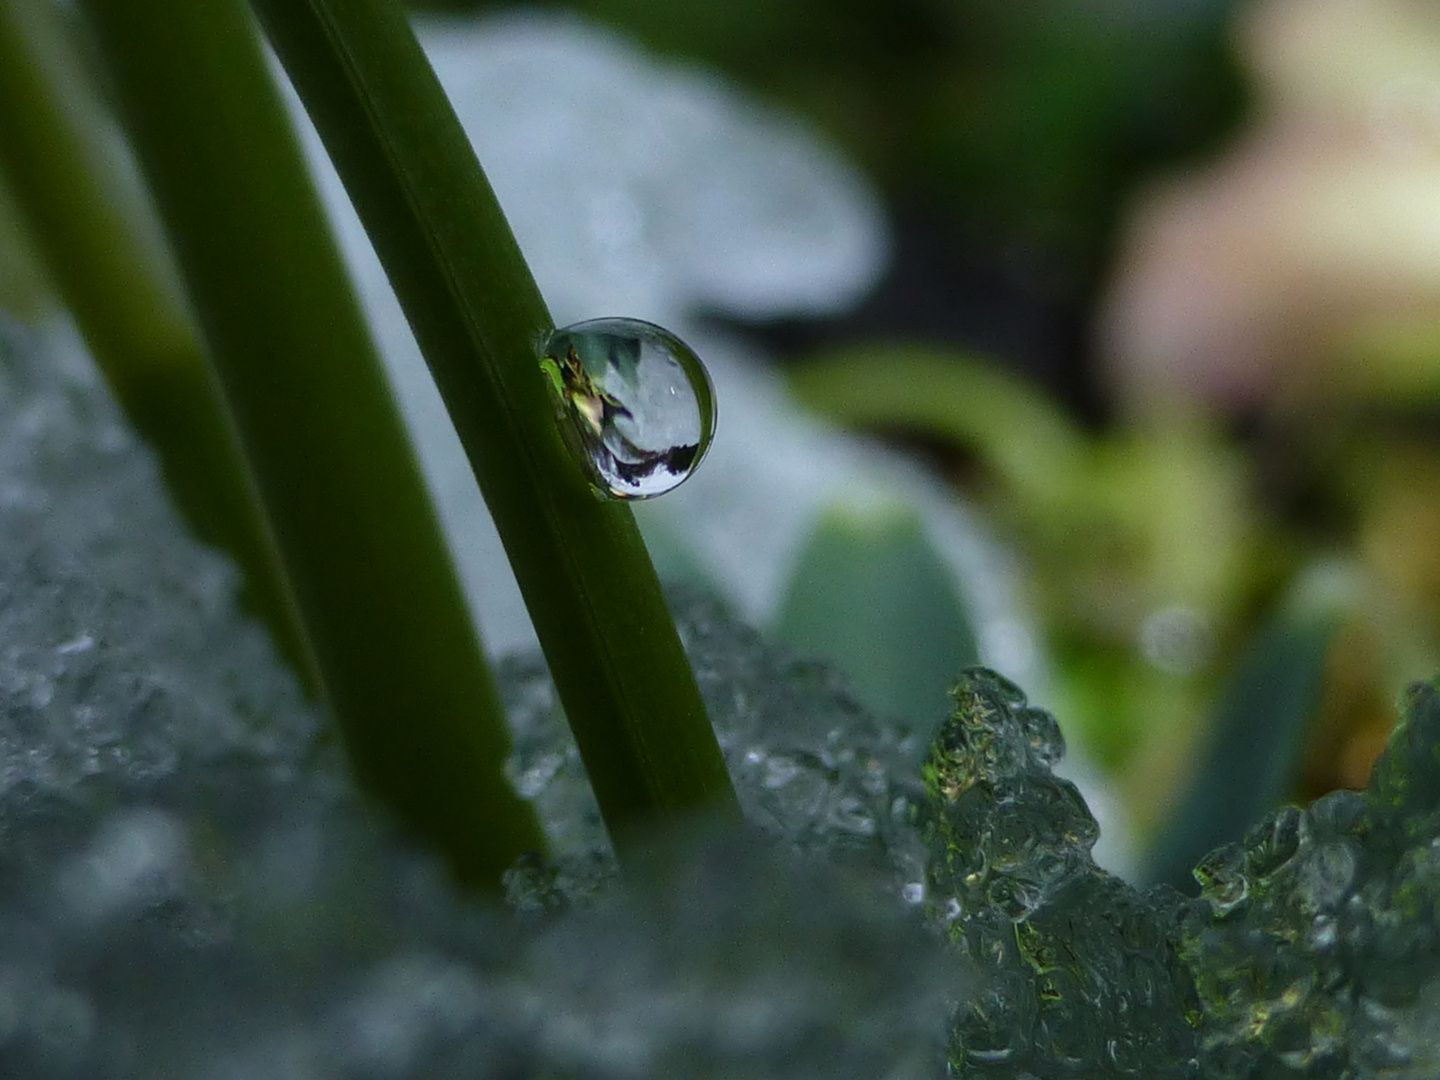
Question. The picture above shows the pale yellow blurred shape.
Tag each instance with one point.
(1334, 56)
(1292, 264)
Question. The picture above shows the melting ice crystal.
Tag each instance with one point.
(635, 402)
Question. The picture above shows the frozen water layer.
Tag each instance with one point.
(1313, 951)
(812, 769)
(190, 887)
(122, 658)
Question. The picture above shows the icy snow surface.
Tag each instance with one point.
(190, 887)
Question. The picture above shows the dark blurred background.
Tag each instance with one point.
(1163, 306)
(1177, 264)
(1005, 135)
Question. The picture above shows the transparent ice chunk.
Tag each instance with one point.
(812, 769)
(1070, 960)
(1312, 951)
(191, 887)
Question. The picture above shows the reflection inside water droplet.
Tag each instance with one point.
(635, 401)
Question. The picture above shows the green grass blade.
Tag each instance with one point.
(103, 249)
(401, 662)
(592, 594)
(26, 290)
(1255, 742)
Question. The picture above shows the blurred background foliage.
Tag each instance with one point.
(1164, 301)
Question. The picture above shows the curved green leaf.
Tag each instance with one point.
(102, 247)
(1026, 438)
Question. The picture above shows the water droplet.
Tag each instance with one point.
(1323, 933)
(1222, 878)
(1340, 812)
(850, 815)
(1326, 878)
(1271, 844)
(42, 691)
(1043, 734)
(1013, 897)
(635, 403)
(137, 859)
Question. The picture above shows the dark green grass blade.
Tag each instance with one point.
(103, 250)
(1256, 740)
(402, 666)
(616, 659)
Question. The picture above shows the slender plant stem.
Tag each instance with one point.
(617, 661)
(104, 250)
(26, 288)
(401, 662)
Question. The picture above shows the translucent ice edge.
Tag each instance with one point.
(191, 887)
(1313, 951)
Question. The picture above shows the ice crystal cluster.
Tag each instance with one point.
(813, 770)
(1313, 950)
(191, 888)
(1316, 947)
(1078, 972)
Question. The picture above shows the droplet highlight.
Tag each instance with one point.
(634, 402)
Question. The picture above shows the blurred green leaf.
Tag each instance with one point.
(1020, 432)
(1258, 733)
(871, 595)
(73, 208)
